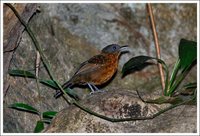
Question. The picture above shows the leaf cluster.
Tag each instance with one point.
(187, 59)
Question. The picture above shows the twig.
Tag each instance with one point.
(156, 44)
(45, 61)
(140, 96)
(37, 64)
(132, 118)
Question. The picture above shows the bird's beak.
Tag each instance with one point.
(124, 48)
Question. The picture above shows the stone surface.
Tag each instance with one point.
(71, 33)
(12, 33)
(123, 104)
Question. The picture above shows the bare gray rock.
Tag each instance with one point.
(122, 104)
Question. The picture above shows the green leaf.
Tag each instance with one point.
(135, 63)
(160, 100)
(139, 62)
(187, 53)
(190, 85)
(24, 107)
(21, 73)
(53, 85)
(49, 114)
(171, 100)
(188, 89)
(39, 127)
(47, 120)
(49, 83)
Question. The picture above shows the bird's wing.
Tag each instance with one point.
(91, 64)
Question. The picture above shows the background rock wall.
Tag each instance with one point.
(71, 33)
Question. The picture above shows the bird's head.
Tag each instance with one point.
(114, 48)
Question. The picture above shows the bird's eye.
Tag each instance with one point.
(114, 48)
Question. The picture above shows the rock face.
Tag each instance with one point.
(70, 34)
(122, 104)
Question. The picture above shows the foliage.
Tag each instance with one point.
(49, 83)
(45, 117)
(187, 59)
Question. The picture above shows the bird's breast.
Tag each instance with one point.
(106, 71)
(98, 73)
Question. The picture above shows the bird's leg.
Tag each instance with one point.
(97, 89)
(90, 86)
(94, 89)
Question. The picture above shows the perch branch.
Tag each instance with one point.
(156, 44)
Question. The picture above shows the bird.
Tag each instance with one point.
(97, 70)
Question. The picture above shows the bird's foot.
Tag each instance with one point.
(97, 91)
(94, 89)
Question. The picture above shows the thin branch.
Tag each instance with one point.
(156, 43)
(45, 61)
(37, 64)
(132, 118)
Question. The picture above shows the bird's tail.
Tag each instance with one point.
(64, 86)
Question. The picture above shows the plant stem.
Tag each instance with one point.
(156, 44)
(166, 74)
(177, 82)
(132, 118)
(173, 76)
(45, 61)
